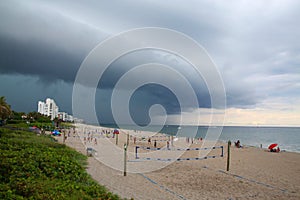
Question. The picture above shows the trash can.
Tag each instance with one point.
(89, 152)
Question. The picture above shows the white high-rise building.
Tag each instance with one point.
(65, 117)
(62, 116)
(48, 108)
(41, 107)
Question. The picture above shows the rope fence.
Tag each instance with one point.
(178, 149)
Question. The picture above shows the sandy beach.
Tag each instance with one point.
(254, 173)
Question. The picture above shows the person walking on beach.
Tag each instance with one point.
(149, 140)
(154, 143)
(188, 140)
(65, 136)
(168, 144)
(237, 144)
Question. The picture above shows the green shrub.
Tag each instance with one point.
(35, 167)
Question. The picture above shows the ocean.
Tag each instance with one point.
(288, 138)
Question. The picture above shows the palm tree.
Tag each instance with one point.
(5, 110)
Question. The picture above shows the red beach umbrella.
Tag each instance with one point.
(272, 146)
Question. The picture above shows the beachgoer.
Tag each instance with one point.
(149, 140)
(237, 144)
(168, 144)
(154, 143)
(278, 149)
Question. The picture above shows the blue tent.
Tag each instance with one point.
(56, 133)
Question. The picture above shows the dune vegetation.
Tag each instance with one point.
(36, 167)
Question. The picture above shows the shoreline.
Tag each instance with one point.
(205, 126)
(224, 142)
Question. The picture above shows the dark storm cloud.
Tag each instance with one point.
(151, 94)
(33, 58)
(39, 39)
(255, 45)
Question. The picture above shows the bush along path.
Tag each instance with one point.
(36, 167)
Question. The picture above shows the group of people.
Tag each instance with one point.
(237, 144)
(67, 133)
(275, 150)
(155, 143)
(90, 135)
(192, 140)
(90, 139)
(151, 138)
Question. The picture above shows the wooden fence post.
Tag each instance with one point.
(228, 154)
(125, 159)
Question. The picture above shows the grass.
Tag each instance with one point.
(35, 167)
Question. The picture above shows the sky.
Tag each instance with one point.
(254, 44)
